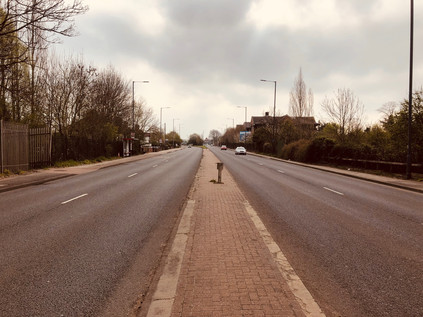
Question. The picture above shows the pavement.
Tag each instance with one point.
(223, 261)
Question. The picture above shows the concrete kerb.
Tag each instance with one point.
(361, 176)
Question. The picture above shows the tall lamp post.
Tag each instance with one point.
(173, 143)
(410, 91)
(133, 100)
(245, 123)
(245, 112)
(161, 133)
(274, 111)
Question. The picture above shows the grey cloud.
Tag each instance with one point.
(207, 43)
(361, 7)
(205, 13)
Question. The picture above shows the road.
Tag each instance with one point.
(87, 245)
(356, 245)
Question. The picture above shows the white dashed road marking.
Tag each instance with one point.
(333, 191)
(75, 198)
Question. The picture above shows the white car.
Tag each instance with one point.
(240, 150)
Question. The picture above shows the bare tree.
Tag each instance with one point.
(66, 89)
(301, 102)
(31, 25)
(49, 17)
(111, 96)
(344, 109)
(215, 136)
(389, 108)
(144, 116)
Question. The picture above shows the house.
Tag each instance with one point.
(265, 121)
(305, 125)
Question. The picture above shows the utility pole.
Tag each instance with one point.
(410, 91)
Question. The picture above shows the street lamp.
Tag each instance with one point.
(133, 100)
(161, 134)
(174, 131)
(410, 91)
(274, 110)
(245, 112)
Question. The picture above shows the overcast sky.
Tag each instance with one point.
(204, 58)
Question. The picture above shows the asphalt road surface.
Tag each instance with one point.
(356, 245)
(88, 245)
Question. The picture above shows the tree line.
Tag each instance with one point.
(88, 109)
(343, 135)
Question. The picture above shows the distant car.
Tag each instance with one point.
(240, 150)
(223, 147)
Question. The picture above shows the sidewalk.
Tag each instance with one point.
(231, 266)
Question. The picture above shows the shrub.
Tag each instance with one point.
(320, 149)
(297, 151)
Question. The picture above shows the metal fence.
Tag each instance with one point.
(22, 148)
(39, 147)
(14, 146)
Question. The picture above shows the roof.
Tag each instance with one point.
(267, 120)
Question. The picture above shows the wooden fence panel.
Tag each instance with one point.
(14, 147)
(40, 141)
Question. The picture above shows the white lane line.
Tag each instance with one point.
(165, 293)
(132, 175)
(282, 172)
(75, 198)
(301, 293)
(154, 166)
(333, 191)
(261, 164)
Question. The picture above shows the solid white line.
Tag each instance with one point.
(132, 175)
(282, 172)
(154, 166)
(261, 164)
(333, 191)
(68, 201)
(301, 293)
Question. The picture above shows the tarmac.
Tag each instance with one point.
(223, 261)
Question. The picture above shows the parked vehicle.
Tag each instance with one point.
(240, 150)
(223, 147)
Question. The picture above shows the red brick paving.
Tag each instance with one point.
(227, 269)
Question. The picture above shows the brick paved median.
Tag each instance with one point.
(227, 269)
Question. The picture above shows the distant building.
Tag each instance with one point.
(266, 121)
(304, 124)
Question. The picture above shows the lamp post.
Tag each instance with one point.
(274, 111)
(161, 134)
(174, 132)
(245, 123)
(410, 91)
(245, 112)
(133, 100)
